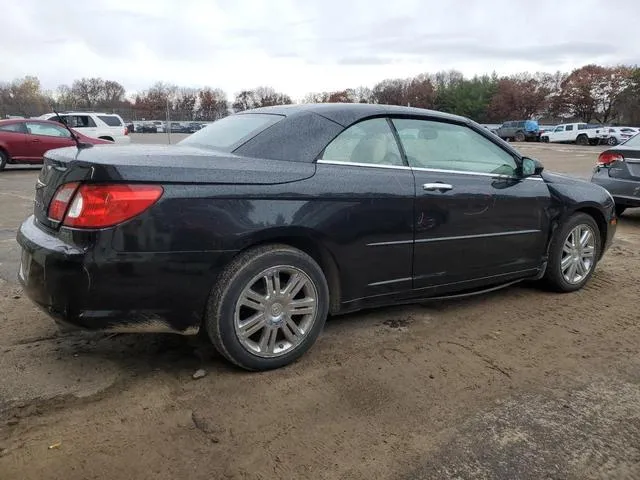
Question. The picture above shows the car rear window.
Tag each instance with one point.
(111, 120)
(230, 132)
(633, 141)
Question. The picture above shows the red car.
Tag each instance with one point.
(26, 140)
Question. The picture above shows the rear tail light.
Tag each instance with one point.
(100, 206)
(607, 158)
(60, 203)
(126, 130)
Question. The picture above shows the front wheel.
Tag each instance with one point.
(3, 160)
(612, 141)
(573, 254)
(268, 307)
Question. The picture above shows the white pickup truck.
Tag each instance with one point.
(579, 133)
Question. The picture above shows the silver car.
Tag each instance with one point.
(618, 170)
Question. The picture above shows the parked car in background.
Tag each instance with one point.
(615, 135)
(546, 128)
(27, 140)
(106, 126)
(258, 226)
(578, 133)
(193, 127)
(618, 170)
(519, 131)
(160, 126)
(177, 127)
(149, 127)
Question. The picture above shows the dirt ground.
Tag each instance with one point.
(518, 384)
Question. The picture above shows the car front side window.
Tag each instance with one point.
(447, 146)
(367, 142)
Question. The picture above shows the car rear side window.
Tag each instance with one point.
(446, 146)
(367, 142)
(569, 128)
(230, 132)
(13, 127)
(76, 121)
(111, 120)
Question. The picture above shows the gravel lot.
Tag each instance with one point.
(518, 384)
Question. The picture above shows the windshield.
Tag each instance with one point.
(230, 132)
(633, 141)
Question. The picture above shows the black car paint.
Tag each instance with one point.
(363, 224)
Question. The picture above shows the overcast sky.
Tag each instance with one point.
(298, 46)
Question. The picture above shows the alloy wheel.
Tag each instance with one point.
(276, 311)
(578, 254)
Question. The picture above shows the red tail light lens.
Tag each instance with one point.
(607, 158)
(60, 202)
(126, 130)
(100, 206)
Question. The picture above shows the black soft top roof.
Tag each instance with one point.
(348, 113)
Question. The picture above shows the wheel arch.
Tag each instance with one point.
(311, 243)
(600, 220)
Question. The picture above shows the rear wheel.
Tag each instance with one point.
(268, 307)
(545, 139)
(620, 209)
(582, 140)
(519, 137)
(3, 160)
(612, 141)
(573, 253)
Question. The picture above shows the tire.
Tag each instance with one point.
(582, 140)
(520, 137)
(245, 278)
(620, 209)
(612, 141)
(544, 139)
(555, 274)
(3, 160)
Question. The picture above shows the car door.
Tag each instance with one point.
(569, 134)
(46, 136)
(365, 180)
(476, 221)
(557, 134)
(14, 138)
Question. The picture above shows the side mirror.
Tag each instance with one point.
(531, 166)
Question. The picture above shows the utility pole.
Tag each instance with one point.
(168, 127)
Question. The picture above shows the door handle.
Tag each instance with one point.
(35, 140)
(432, 187)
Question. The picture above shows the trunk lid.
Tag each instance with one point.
(161, 164)
(630, 168)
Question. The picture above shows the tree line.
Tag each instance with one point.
(592, 93)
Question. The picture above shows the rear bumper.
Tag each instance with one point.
(124, 292)
(624, 192)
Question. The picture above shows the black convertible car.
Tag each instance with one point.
(263, 223)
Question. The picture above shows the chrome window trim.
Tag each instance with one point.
(358, 164)
(420, 169)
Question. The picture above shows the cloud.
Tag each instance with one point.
(304, 46)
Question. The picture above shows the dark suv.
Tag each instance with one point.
(519, 131)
